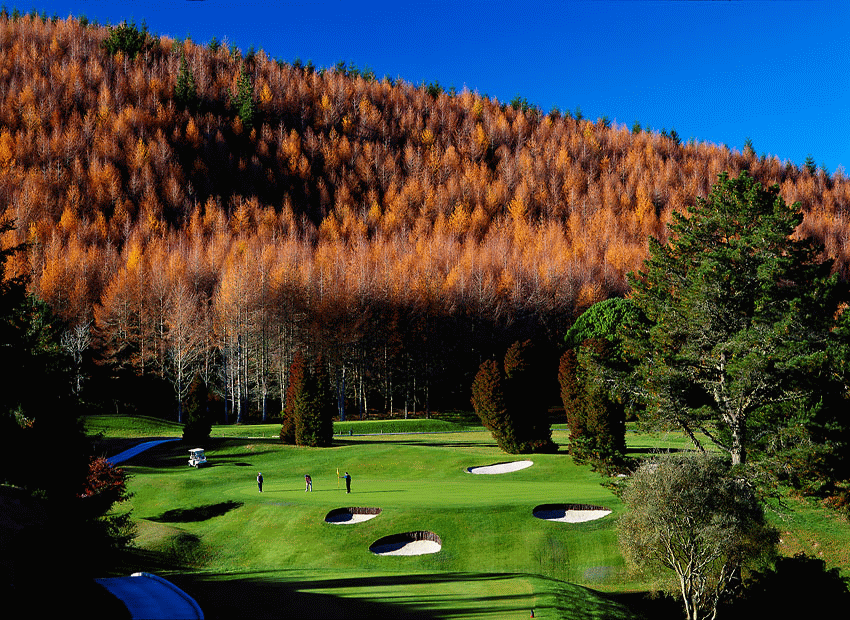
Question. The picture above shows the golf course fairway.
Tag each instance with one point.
(240, 552)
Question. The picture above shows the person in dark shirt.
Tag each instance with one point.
(260, 481)
(347, 482)
(309, 482)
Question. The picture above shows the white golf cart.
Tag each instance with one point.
(197, 457)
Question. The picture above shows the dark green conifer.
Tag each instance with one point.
(198, 421)
(185, 91)
(294, 392)
(243, 100)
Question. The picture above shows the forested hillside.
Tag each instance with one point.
(194, 209)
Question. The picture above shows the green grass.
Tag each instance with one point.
(242, 553)
(126, 427)
(114, 426)
(417, 425)
(806, 527)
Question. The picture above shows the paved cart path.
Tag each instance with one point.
(127, 454)
(152, 597)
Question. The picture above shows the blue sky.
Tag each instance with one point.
(717, 71)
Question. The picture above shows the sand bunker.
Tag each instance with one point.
(570, 513)
(346, 516)
(409, 543)
(500, 468)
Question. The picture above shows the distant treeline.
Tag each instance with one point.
(192, 209)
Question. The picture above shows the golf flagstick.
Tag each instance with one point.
(337, 477)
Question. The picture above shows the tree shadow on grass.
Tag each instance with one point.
(402, 440)
(284, 595)
(222, 596)
(174, 456)
(651, 605)
(198, 513)
(655, 450)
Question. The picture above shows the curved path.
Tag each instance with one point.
(127, 454)
(143, 594)
(152, 597)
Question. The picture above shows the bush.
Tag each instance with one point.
(692, 516)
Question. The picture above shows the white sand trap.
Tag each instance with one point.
(570, 513)
(347, 516)
(409, 543)
(415, 547)
(344, 518)
(500, 468)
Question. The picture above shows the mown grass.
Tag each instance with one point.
(113, 426)
(213, 532)
(245, 554)
(123, 427)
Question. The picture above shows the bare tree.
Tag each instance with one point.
(76, 341)
(184, 340)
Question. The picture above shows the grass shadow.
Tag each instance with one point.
(174, 456)
(287, 595)
(400, 440)
(651, 605)
(222, 596)
(198, 513)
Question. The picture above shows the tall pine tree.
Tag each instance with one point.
(185, 90)
(740, 312)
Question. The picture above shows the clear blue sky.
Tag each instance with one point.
(718, 71)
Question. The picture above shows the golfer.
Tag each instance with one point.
(260, 481)
(347, 482)
(309, 482)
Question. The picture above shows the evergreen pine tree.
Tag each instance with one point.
(526, 393)
(198, 421)
(185, 91)
(810, 165)
(739, 310)
(511, 403)
(307, 412)
(294, 390)
(326, 403)
(572, 395)
(243, 100)
(488, 400)
(127, 39)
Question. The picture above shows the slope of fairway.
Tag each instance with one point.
(497, 560)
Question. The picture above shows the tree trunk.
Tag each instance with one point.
(738, 448)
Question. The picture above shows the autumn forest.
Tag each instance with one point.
(191, 209)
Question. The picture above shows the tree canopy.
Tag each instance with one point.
(738, 311)
(601, 321)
